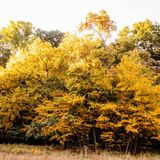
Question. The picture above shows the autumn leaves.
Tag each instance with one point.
(82, 91)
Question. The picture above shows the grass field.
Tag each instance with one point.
(25, 152)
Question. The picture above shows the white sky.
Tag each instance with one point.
(65, 15)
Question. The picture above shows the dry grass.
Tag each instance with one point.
(24, 152)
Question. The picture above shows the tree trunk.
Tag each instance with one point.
(135, 144)
(95, 140)
(129, 142)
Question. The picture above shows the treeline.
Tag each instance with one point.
(78, 90)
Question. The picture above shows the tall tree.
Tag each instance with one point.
(135, 110)
(16, 35)
(144, 35)
(28, 78)
(99, 24)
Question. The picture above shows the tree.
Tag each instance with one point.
(142, 35)
(53, 37)
(135, 112)
(28, 79)
(16, 35)
(100, 24)
(147, 37)
(71, 114)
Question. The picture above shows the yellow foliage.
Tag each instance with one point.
(100, 24)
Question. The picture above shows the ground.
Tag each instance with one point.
(26, 152)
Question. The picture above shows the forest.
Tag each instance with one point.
(81, 89)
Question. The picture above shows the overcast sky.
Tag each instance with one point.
(65, 15)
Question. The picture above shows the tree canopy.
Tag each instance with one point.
(74, 89)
